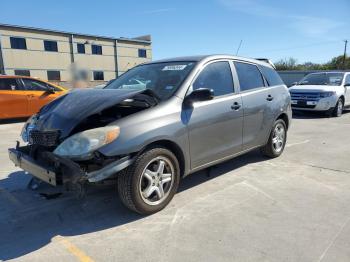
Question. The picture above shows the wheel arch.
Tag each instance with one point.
(173, 147)
(285, 118)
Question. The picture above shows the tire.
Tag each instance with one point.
(270, 149)
(134, 181)
(338, 109)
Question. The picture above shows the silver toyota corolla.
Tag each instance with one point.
(157, 123)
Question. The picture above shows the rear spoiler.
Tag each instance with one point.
(268, 61)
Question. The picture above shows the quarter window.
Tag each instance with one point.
(98, 75)
(216, 76)
(96, 49)
(22, 72)
(8, 84)
(249, 76)
(142, 53)
(50, 46)
(81, 48)
(54, 75)
(271, 76)
(18, 43)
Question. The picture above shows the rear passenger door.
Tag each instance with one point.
(13, 100)
(215, 126)
(256, 99)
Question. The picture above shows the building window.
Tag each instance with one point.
(81, 48)
(142, 53)
(96, 49)
(54, 75)
(98, 75)
(18, 43)
(50, 46)
(22, 72)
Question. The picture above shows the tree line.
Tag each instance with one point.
(336, 63)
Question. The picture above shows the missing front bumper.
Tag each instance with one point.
(63, 170)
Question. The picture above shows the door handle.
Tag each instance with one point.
(269, 98)
(235, 106)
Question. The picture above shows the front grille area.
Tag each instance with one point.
(44, 138)
(305, 96)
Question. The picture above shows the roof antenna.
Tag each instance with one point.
(240, 43)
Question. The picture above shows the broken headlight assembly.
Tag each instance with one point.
(83, 144)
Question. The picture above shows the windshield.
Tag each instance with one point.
(162, 78)
(333, 79)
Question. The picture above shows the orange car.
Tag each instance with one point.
(22, 96)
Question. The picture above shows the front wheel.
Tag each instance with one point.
(338, 109)
(277, 140)
(149, 184)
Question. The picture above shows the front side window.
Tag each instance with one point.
(216, 76)
(50, 46)
(18, 43)
(81, 48)
(142, 53)
(98, 75)
(54, 75)
(96, 49)
(333, 79)
(249, 76)
(34, 85)
(161, 78)
(8, 84)
(271, 76)
(22, 72)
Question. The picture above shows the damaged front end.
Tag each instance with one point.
(65, 137)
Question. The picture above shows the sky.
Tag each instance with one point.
(307, 30)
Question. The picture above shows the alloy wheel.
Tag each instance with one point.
(278, 138)
(156, 180)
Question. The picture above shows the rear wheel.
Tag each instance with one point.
(277, 140)
(150, 183)
(338, 109)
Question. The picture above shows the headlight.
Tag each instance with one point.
(83, 144)
(326, 94)
(28, 127)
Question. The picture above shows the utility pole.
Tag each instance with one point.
(344, 58)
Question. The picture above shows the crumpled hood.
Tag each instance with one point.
(313, 88)
(67, 111)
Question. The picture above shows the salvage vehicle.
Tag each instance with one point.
(193, 113)
(327, 92)
(23, 96)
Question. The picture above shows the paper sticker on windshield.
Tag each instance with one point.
(174, 67)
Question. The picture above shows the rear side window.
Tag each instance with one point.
(271, 76)
(216, 76)
(8, 84)
(249, 76)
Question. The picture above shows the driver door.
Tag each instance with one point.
(347, 89)
(215, 126)
(38, 94)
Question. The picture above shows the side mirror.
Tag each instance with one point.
(201, 94)
(50, 90)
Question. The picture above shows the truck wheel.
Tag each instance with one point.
(277, 140)
(338, 109)
(149, 184)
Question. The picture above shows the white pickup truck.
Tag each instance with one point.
(326, 91)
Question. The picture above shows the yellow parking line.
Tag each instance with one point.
(79, 254)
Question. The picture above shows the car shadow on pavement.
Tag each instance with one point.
(29, 222)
